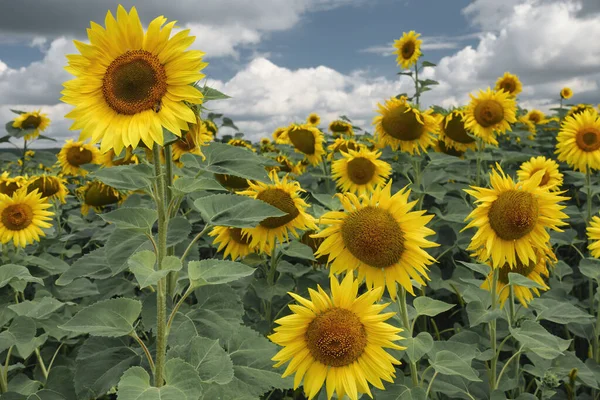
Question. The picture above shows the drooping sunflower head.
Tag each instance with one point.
(313, 119)
(314, 244)
(52, 187)
(442, 147)
(360, 171)
(97, 195)
(579, 141)
(241, 143)
(232, 182)
(379, 236)
(308, 140)
(110, 159)
(8, 185)
(580, 108)
(453, 132)
(341, 144)
(211, 127)
(75, 154)
(339, 339)
(512, 218)
(283, 194)
(593, 234)
(287, 166)
(33, 121)
(23, 216)
(552, 178)
(566, 93)
(400, 125)
(280, 135)
(235, 243)
(408, 49)
(510, 84)
(267, 146)
(490, 113)
(340, 128)
(130, 84)
(191, 141)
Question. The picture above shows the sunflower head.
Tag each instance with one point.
(8, 185)
(579, 141)
(23, 216)
(509, 83)
(234, 242)
(308, 140)
(340, 128)
(75, 154)
(454, 134)
(211, 127)
(232, 182)
(241, 143)
(33, 121)
(49, 186)
(566, 93)
(593, 235)
(490, 113)
(287, 166)
(341, 144)
(552, 178)
(280, 136)
(97, 195)
(579, 108)
(360, 171)
(408, 49)
(191, 141)
(536, 117)
(442, 147)
(313, 119)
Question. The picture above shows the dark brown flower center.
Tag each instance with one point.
(513, 214)
(373, 236)
(134, 82)
(232, 181)
(17, 217)
(489, 113)
(401, 124)
(455, 130)
(336, 337)
(47, 186)
(303, 140)
(535, 118)
(339, 126)
(31, 122)
(282, 200)
(100, 195)
(518, 268)
(449, 150)
(588, 139)
(313, 119)
(79, 155)
(408, 49)
(9, 188)
(236, 236)
(314, 244)
(508, 85)
(361, 170)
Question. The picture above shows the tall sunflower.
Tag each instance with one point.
(340, 128)
(341, 144)
(512, 218)
(9, 185)
(453, 132)
(23, 216)
(492, 112)
(191, 141)
(75, 154)
(408, 49)
(97, 195)
(593, 234)
(360, 171)
(32, 120)
(402, 126)
(284, 195)
(235, 243)
(380, 237)
(52, 187)
(579, 141)
(566, 93)
(510, 84)
(313, 119)
(337, 340)
(308, 140)
(129, 85)
(552, 178)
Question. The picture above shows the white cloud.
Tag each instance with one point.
(429, 43)
(220, 41)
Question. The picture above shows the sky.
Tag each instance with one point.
(280, 60)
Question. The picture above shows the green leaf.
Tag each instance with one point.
(11, 273)
(21, 383)
(212, 94)
(418, 346)
(483, 269)
(478, 314)
(134, 218)
(107, 318)
(91, 265)
(126, 177)
(215, 272)
(520, 280)
(235, 211)
(428, 82)
(428, 64)
(185, 185)
(21, 331)
(430, 307)
(229, 123)
(560, 312)
(37, 309)
(448, 363)
(178, 230)
(121, 245)
(209, 359)
(143, 266)
(538, 340)
(181, 383)
(44, 137)
(590, 267)
(298, 250)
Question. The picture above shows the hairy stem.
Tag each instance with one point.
(494, 360)
(403, 311)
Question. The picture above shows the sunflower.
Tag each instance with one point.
(109, 160)
(593, 234)
(401, 125)
(491, 112)
(307, 140)
(286, 165)
(408, 49)
(378, 235)
(552, 178)
(341, 144)
(280, 135)
(266, 146)
(536, 116)
(22, 217)
(510, 84)
(340, 128)
(75, 154)
(232, 182)
(284, 195)
(97, 195)
(241, 143)
(32, 120)
(534, 270)
(9, 186)
(453, 132)
(52, 187)
(235, 243)
(566, 93)
(442, 147)
(191, 141)
(129, 85)
(313, 119)
(337, 340)
(360, 171)
(314, 244)
(579, 141)
(211, 127)
(579, 108)
(511, 218)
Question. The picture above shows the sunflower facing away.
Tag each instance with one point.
(380, 237)
(512, 218)
(402, 126)
(110, 159)
(96, 195)
(232, 182)
(337, 340)
(453, 132)
(52, 187)
(32, 120)
(579, 108)
(339, 128)
(9, 185)
(593, 234)
(283, 194)
(408, 49)
(75, 154)
(241, 143)
(23, 216)
(360, 171)
(313, 119)
(191, 141)
(129, 84)
(341, 144)
(579, 141)
(552, 178)
(211, 127)
(235, 243)
(307, 140)
(492, 112)
(566, 93)
(280, 136)
(510, 84)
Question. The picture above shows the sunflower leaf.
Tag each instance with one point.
(516, 279)
(448, 363)
(107, 318)
(137, 219)
(430, 307)
(428, 64)
(215, 272)
(538, 340)
(234, 210)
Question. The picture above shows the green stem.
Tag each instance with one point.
(41, 363)
(430, 383)
(161, 295)
(23, 157)
(417, 180)
(4, 372)
(189, 291)
(511, 320)
(479, 153)
(417, 84)
(596, 337)
(403, 311)
(172, 277)
(326, 173)
(194, 240)
(518, 353)
(494, 360)
(146, 351)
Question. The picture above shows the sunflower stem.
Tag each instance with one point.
(417, 84)
(494, 360)
(511, 321)
(588, 203)
(403, 311)
(161, 295)
(479, 153)
(172, 277)
(41, 363)
(324, 165)
(23, 156)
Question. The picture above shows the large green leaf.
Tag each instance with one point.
(38, 308)
(108, 318)
(418, 346)
(132, 219)
(91, 265)
(560, 311)
(430, 307)
(11, 273)
(535, 338)
(187, 185)
(126, 177)
(20, 332)
(216, 272)
(298, 250)
(143, 266)
(520, 280)
(449, 363)
(235, 211)
(208, 358)
(178, 230)
(121, 245)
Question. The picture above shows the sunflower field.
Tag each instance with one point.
(446, 254)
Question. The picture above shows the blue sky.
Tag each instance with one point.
(282, 59)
